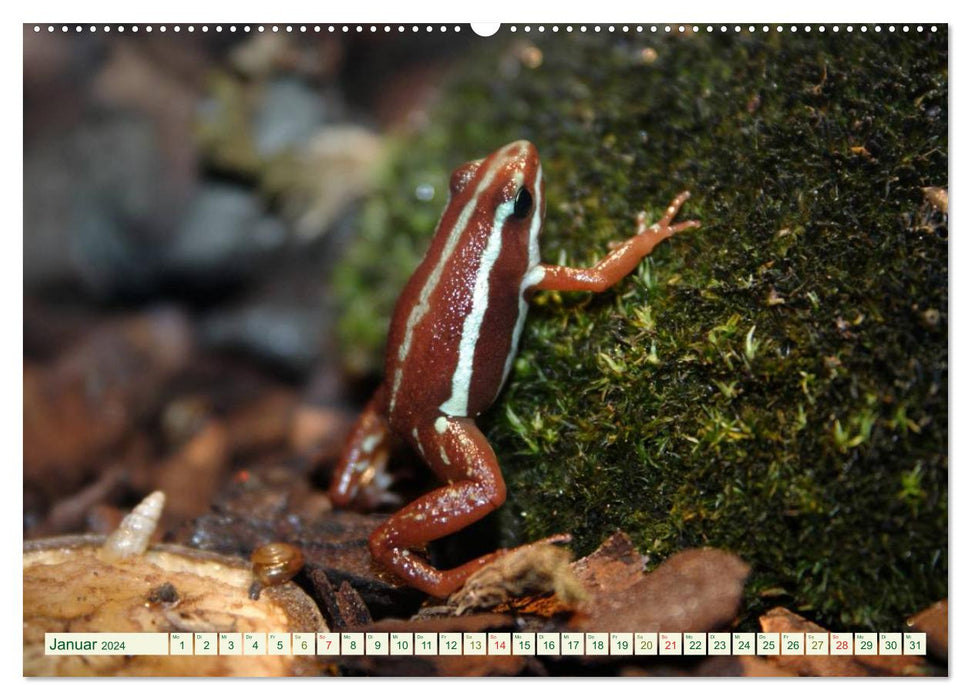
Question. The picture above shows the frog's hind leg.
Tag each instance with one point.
(460, 455)
(360, 472)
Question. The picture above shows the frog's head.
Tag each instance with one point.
(503, 191)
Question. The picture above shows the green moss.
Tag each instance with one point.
(774, 383)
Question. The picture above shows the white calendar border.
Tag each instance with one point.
(384, 10)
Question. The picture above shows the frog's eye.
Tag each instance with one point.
(523, 204)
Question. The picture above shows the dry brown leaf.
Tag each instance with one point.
(531, 569)
(696, 590)
(782, 620)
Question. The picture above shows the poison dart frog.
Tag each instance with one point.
(451, 345)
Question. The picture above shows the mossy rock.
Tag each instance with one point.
(774, 383)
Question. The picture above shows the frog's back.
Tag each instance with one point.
(457, 322)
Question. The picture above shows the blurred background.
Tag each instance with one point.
(186, 196)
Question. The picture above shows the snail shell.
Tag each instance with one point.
(276, 563)
(135, 531)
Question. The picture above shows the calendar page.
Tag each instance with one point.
(519, 349)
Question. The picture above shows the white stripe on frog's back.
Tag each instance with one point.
(533, 276)
(458, 403)
(421, 308)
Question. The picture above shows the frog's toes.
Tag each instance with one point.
(673, 208)
(664, 228)
(376, 490)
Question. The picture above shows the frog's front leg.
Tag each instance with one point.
(460, 455)
(620, 261)
(360, 473)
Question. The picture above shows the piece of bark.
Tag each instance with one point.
(335, 542)
(275, 488)
(349, 560)
(697, 590)
(933, 622)
(615, 565)
(260, 491)
(91, 396)
(352, 607)
(342, 606)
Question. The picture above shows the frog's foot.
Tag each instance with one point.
(376, 490)
(664, 228)
(361, 475)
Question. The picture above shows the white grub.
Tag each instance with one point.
(135, 531)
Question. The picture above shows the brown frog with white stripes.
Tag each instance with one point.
(453, 337)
